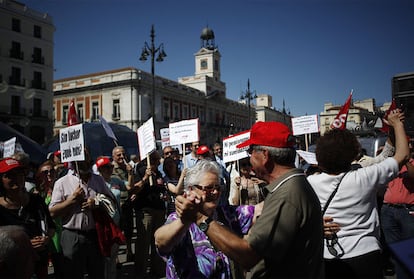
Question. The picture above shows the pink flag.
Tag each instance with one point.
(72, 116)
(385, 128)
(340, 120)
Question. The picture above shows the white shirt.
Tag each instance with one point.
(354, 206)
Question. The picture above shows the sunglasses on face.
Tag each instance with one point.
(48, 172)
(107, 167)
(208, 188)
(168, 152)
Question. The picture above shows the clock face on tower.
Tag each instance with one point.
(203, 64)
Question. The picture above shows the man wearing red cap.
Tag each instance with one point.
(286, 240)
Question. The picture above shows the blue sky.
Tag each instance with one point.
(305, 52)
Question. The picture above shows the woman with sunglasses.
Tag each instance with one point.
(18, 207)
(184, 245)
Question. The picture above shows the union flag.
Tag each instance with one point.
(340, 120)
(72, 116)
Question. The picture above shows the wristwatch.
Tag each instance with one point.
(205, 224)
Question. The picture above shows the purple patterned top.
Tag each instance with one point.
(195, 256)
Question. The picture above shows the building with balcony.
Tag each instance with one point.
(26, 70)
(124, 96)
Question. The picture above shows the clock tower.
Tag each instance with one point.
(207, 67)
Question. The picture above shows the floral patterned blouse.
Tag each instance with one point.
(195, 256)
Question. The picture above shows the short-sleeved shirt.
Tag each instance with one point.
(289, 232)
(195, 256)
(75, 218)
(354, 205)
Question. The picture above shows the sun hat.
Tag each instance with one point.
(272, 133)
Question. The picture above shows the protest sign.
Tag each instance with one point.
(9, 147)
(305, 125)
(184, 131)
(309, 157)
(72, 143)
(230, 151)
(165, 140)
(146, 138)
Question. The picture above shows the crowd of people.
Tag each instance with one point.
(190, 218)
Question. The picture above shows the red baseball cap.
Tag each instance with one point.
(8, 164)
(102, 161)
(274, 134)
(203, 149)
(57, 153)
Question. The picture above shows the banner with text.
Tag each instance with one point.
(230, 151)
(146, 138)
(184, 131)
(72, 143)
(305, 125)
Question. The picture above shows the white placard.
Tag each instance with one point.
(309, 157)
(305, 125)
(9, 147)
(230, 151)
(184, 131)
(72, 143)
(146, 138)
(165, 137)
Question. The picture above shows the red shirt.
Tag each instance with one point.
(398, 190)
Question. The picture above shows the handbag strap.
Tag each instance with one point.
(332, 195)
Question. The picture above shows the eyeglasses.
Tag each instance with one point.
(48, 172)
(107, 166)
(254, 147)
(168, 152)
(331, 243)
(208, 188)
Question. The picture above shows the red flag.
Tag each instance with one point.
(385, 128)
(340, 120)
(72, 116)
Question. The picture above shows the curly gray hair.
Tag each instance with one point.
(195, 173)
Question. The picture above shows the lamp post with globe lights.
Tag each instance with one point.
(151, 50)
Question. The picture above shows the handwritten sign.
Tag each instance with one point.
(184, 131)
(9, 147)
(230, 151)
(146, 138)
(72, 143)
(305, 125)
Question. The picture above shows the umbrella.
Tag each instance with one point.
(36, 152)
(98, 142)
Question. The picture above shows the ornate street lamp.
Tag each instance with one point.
(248, 95)
(151, 50)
